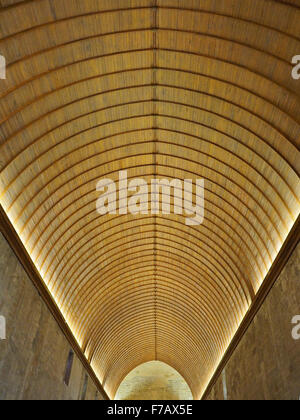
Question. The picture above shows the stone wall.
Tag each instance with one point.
(33, 356)
(154, 381)
(266, 364)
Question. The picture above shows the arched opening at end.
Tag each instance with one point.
(154, 381)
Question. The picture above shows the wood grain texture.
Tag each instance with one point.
(166, 88)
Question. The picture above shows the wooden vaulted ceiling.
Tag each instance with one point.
(166, 88)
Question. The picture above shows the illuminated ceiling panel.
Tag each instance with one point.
(165, 89)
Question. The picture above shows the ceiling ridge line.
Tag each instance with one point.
(154, 80)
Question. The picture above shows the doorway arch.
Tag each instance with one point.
(154, 381)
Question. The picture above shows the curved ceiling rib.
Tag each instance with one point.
(163, 89)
